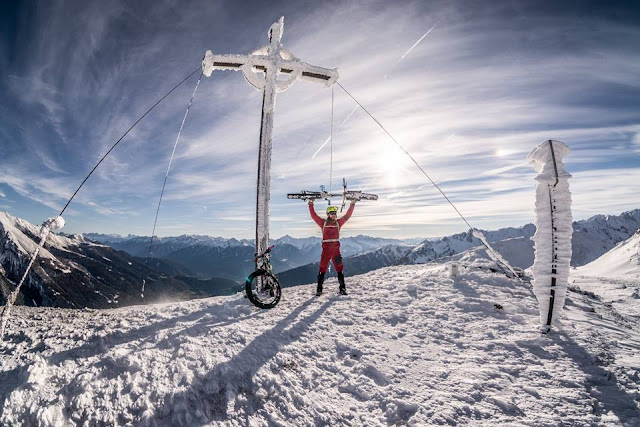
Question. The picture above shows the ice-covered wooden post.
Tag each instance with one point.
(552, 240)
(261, 69)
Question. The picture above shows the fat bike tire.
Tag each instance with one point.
(263, 289)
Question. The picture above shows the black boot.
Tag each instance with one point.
(320, 282)
(343, 288)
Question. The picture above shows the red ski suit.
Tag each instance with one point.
(330, 238)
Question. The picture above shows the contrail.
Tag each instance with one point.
(414, 45)
(385, 76)
(321, 147)
(341, 124)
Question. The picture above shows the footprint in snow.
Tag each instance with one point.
(394, 319)
(378, 377)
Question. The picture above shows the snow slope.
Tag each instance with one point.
(621, 261)
(24, 238)
(615, 276)
(600, 233)
(73, 272)
(409, 345)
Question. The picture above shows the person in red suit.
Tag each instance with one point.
(331, 243)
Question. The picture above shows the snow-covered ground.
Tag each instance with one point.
(615, 277)
(409, 345)
(621, 261)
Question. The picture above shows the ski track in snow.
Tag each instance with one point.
(408, 346)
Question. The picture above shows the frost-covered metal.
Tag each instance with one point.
(493, 254)
(552, 240)
(261, 69)
(52, 224)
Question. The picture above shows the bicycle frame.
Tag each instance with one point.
(263, 261)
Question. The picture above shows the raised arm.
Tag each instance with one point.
(314, 215)
(346, 216)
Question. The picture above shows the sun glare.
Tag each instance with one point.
(391, 163)
(504, 152)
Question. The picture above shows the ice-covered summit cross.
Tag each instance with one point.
(272, 59)
(261, 69)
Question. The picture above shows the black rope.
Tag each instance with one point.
(125, 134)
(407, 153)
(425, 174)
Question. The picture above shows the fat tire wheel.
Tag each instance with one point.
(251, 283)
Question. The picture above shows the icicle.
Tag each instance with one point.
(52, 224)
(554, 230)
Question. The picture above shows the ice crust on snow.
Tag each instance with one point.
(409, 346)
(554, 229)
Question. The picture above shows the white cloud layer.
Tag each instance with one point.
(479, 91)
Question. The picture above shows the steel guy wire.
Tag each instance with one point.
(164, 184)
(484, 242)
(408, 154)
(125, 134)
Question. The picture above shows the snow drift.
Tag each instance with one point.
(408, 346)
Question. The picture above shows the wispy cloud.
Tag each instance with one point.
(469, 99)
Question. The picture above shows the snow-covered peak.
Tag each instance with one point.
(107, 238)
(621, 261)
(182, 241)
(18, 230)
(299, 243)
(624, 224)
(449, 245)
(26, 236)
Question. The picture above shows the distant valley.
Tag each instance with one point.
(296, 259)
(99, 271)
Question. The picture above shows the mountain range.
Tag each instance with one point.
(74, 272)
(205, 256)
(296, 259)
(100, 270)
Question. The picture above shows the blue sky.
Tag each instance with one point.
(490, 82)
